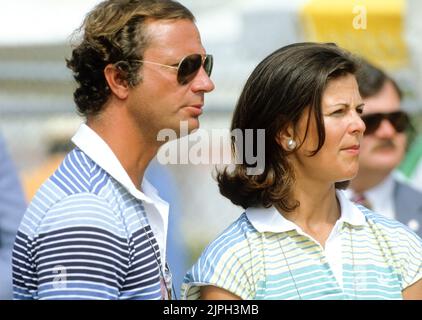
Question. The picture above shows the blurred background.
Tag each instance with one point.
(37, 113)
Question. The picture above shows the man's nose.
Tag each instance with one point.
(202, 82)
(385, 129)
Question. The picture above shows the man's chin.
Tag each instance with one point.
(193, 124)
(186, 127)
(383, 166)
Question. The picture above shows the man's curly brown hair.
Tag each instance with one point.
(115, 32)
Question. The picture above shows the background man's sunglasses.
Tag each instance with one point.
(189, 66)
(399, 120)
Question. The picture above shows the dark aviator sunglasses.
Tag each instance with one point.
(398, 119)
(189, 66)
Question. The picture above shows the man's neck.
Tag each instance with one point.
(368, 179)
(131, 147)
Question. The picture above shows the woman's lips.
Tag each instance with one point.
(355, 149)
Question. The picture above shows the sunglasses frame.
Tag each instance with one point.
(185, 79)
(398, 119)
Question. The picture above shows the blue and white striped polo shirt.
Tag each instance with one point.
(89, 233)
(262, 255)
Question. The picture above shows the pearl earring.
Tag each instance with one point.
(291, 144)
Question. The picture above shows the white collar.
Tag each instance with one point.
(270, 220)
(380, 197)
(382, 192)
(97, 149)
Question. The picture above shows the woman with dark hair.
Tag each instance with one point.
(300, 237)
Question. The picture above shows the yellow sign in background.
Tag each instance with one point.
(371, 28)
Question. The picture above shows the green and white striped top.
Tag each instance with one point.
(262, 255)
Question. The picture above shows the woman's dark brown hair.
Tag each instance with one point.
(275, 96)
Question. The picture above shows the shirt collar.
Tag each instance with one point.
(270, 220)
(381, 193)
(350, 213)
(97, 149)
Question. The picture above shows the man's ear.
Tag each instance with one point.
(115, 80)
(284, 136)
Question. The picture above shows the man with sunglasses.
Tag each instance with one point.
(96, 229)
(382, 149)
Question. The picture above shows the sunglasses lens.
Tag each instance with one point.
(372, 122)
(399, 120)
(208, 64)
(188, 68)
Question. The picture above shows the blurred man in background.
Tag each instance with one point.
(12, 207)
(382, 149)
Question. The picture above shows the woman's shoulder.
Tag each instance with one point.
(225, 261)
(233, 246)
(391, 228)
(231, 237)
(403, 245)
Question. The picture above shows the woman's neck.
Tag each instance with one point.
(318, 211)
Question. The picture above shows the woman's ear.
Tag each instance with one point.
(286, 139)
(115, 80)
